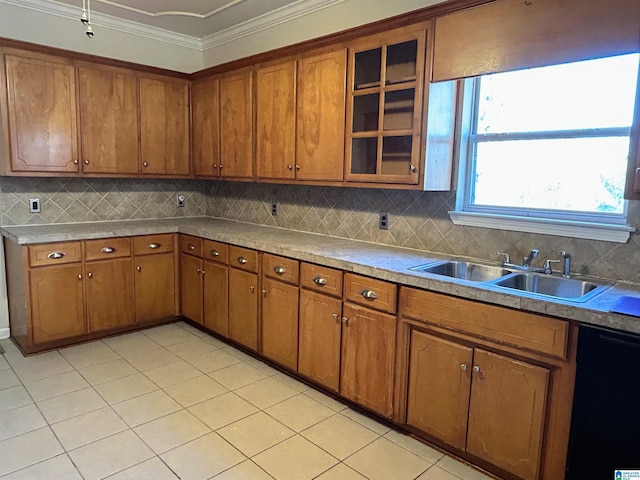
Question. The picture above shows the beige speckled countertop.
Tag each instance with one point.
(378, 261)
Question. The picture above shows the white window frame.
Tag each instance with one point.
(604, 226)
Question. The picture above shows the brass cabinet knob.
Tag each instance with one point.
(86, 162)
(279, 270)
(76, 162)
(139, 269)
(463, 367)
(242, 260)
(80, 276)
(90, 275)
(289, 167)
(191, 246)
(145, 164)
(320, 281)
(345, 320)
(215, 253)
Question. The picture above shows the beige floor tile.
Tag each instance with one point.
(213, 340)
(131, 343)
(368, 422)
(28, 449)
(341, 472)
(4, 365)
(170, 334)
(171, 431)
(84, 429)
(340, 436)
(383, 459)
(9, 347)
(152, 469)
(122, 389)
(255, 433)
(192, 348)
(193, 330)
(36, 367)
(59, 467)
(212, 361)
(266, 393)
(245, 357)
(237, 376)
(246, 470)
(414, 446)
(89, 354)
(150, 359)
(300, 412)
(172, 373)
(202, 458)
(295, 459)
(263, 367)
(437, 473)
(8, 378)
(223, 410)
(291, 382)
(326, 400)
(147, 407)
(54, 386)
(14, 397)
(105, 372)
(19, 421)
(71, 405)
(195, 390)
(110, 455)
(461, 470)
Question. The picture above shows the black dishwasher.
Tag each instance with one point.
(605, 424)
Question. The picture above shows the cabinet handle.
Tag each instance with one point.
(145, 164)
(253, 289)
(90, 275)
(345, 320)
(279, 270)
(638, 171)
(242, 260)
(80, 276)
(369, 294)
(464, 367)
(476, 369)
(76, 162)
(153, 246)
(198, 270)
(220, 166)
(289, 167)
(86, 162)
(412, 168)
(264, 293)
(214, 253)
(336, 317)
(108, 249)
(320, 281)
(139, 269)
(297, 167)
(191, 246)
(56, 255)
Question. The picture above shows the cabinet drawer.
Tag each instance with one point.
(191, 245)
(281, 268)
(499, 324)
(107, 248)
(243, 258)
(55, 253)
(216, 251)
(322, 279)
(372, 293)
(150, 244)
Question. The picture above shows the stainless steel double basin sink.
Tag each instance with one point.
(530, 283)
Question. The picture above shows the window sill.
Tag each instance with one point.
(562, 228)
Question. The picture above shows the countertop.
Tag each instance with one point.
(378, 261)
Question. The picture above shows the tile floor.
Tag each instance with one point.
(172, 402)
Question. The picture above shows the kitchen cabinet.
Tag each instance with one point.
(279, 326)
(108, 99)
(164, 125)
(191, 277)
(205, 129)
(320, 114)
(243, 296)
(275, 121)
(236, 125)
(216, 287)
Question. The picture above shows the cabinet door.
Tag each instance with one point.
(205, 101)
(164, 126)
(216, 298)
(368, 349)
(236, 127)
(507, 413)
(110, 302)
(155, 287)
(57, 302)
(109, 119)
(439, 386)
(280, 322)
(243, 307)
(191, 287)
(320, 116)
(320, 333)
(275, 121)
(42, 114)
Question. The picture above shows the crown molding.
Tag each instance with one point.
(176, 13)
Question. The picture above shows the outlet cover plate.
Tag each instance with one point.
(274, 209)
(383, 222)
(34, 205)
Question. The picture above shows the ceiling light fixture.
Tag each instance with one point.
(85, 17)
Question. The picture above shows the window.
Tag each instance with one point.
(549, 146)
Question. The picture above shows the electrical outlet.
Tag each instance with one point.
(34, 205)
(383, 223)
(274, 209)
(180, 200)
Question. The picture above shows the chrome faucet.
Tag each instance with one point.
(526, 261)
(566, 270)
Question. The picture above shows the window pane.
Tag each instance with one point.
(591, 94)
(584, 174)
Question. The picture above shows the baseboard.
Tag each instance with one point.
(4, 333)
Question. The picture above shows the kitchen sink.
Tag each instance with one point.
(474, 272)
(557, 287)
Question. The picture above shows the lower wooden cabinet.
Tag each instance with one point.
(243, 307)
(191, 285)
(109, 287)
(280, 322)
(216, 298)
(155, 287)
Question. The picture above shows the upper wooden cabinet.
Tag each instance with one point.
(205, 130)
(164, 125)
(236, 125)
(109, 120)
(41, 101)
